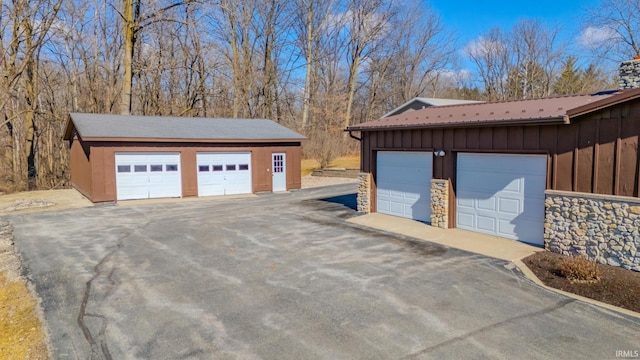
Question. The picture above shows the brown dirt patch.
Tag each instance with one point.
(617, 286)
(41, 200)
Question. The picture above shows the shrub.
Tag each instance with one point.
(579, 269)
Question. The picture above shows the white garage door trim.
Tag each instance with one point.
(224, 173)
(404, 184)
(145, 175)
(502, 195)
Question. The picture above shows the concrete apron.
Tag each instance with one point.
(492, 246)
(179, 200)
(487, 245)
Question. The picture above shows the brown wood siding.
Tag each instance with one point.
(80, 165)
(103, 175)
(595, 153)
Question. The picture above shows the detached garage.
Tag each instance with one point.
(116, 157)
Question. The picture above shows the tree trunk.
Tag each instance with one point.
(129, 36)
(306, 104)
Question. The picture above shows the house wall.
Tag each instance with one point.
(596, 153)
(103, 175)
(80, 165)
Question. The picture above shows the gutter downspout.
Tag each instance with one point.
(353, 136)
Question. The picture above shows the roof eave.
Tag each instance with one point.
(68, 131)
(180, 140)
(541, 121)
(620, 98)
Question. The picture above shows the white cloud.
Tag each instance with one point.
(482, 46)
(593, 37)
(454, 76)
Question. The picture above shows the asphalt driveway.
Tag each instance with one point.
(283, 276)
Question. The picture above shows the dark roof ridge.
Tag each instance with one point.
(168, 117)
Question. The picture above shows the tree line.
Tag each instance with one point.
(316, 66)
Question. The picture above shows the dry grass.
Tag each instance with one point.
(349, 162)
(21, 332)
(308, 165)
(579, 269)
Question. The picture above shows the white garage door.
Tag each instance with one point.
(404, 184)
(148, 175)
(502, 195)
(224, 173)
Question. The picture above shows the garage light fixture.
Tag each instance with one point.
(439, 153)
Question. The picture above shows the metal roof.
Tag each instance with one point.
(129, 127)
(530, 111)
(429, 102)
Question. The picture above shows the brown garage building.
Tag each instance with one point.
(561, 172)
(117, 157)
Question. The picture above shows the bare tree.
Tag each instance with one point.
(27, 24)
(310, 23)
(613, 28)
(367, 23)
(408, 61)
(492, 57)
(537, 59)
(133, 21)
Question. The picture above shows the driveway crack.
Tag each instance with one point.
(98, 342)
(489, 327)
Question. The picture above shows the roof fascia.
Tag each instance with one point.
(604, 103)
(542, 121)
(178, 140)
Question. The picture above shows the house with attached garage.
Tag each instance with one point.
(117, 157)
(559, 172)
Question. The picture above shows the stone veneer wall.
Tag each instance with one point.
(440, 203)
(603, 228)
(364, 192)
(629, 72)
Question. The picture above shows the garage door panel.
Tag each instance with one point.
(147, 175)
(466, 220)
(506, 229)
(464, 202)
(403, 182)
(510, 206)
(383, 206)
(486, 223)
(486, 204)
(224, 173)
(502, 195)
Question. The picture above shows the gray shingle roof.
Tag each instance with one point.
(184, 128)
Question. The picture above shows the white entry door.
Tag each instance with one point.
(224, 173)
(148, 175)
(279, 171)
(502, 195)
(404, 184)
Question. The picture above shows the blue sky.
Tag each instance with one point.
(471, 18)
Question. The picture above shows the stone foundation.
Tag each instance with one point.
(603, 228)
(364, 193)
(440, 203)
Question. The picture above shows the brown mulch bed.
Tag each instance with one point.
(616, 286)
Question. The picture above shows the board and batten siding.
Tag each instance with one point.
(595, 153)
